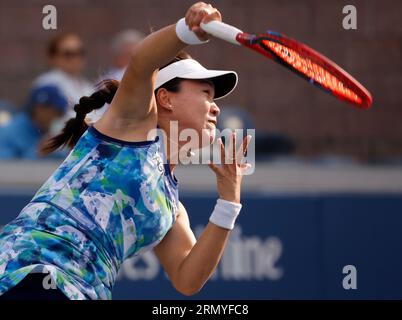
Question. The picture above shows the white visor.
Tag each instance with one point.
(224, 81)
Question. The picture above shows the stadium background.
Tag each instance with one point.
(305, 217)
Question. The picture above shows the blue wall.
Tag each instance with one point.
(284, 247)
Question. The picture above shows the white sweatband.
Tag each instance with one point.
(185, 34)
(225, 214)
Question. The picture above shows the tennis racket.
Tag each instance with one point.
(299, 58)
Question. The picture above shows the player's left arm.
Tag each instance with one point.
(189, 263)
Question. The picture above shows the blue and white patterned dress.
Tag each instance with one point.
(107, 201)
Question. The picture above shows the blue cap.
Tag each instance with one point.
(48, 95)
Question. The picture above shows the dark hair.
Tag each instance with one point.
(75, 127)
(54, 43)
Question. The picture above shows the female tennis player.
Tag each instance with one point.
(115, 195)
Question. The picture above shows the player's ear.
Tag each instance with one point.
(163, 98)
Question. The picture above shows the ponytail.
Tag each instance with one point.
(75, 127)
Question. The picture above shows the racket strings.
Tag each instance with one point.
(312, 70)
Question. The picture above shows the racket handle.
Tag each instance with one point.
(222, 31)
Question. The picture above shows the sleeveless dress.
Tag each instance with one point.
(109, 200)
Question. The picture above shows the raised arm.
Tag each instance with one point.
(133, 102)
(133, 98)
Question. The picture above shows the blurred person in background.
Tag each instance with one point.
(66, 56)
(22, 136)
(7, 109)
(123, 46)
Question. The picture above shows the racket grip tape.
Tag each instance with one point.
(222, 31)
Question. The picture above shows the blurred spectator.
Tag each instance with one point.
(123, 45)
(66, 56)
(6, 111)
(20, 138)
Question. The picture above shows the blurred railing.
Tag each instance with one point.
(268, 177)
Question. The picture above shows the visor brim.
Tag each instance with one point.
(224, 81)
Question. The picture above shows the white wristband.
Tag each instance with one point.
(185, 34)
(225, 214)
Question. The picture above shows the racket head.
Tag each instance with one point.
(310, 65)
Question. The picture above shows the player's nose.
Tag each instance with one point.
(215, 110)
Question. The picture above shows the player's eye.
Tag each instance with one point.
(208, 92)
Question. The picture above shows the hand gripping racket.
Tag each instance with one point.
(299, 58)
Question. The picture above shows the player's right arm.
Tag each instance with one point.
(133, 103)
